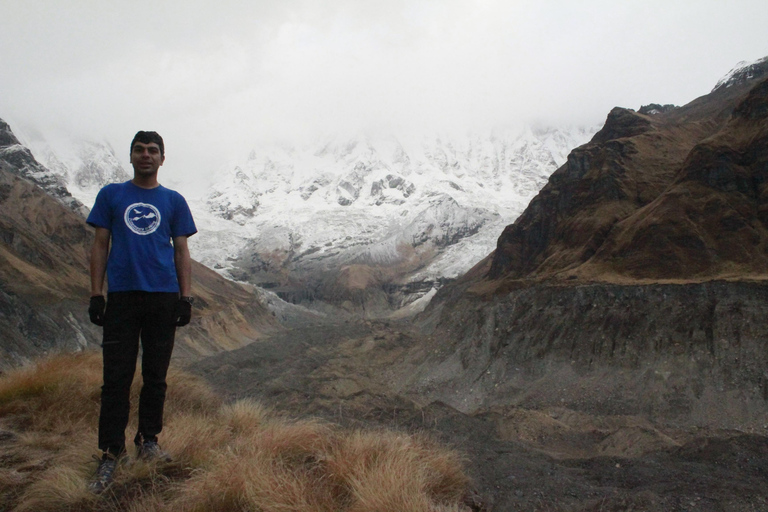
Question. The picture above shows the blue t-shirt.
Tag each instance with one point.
(142, 223)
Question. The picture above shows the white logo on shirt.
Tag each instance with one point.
(142, 218)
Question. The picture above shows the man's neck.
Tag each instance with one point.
(145, 181)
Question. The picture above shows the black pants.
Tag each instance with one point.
(130, 317)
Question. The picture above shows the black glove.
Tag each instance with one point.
(96, 309)
(183, 313)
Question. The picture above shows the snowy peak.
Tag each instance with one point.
(742, 73)
(19, 160)
(373, 172)
(84, 165)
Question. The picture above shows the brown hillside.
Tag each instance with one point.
(676, 195)
(711, 222)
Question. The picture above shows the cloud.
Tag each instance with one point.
(214, 77)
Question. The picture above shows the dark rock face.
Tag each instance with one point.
(349, 188)
(655, 108)
(19, 160)
(393, 182)
(7, 138)
(622, 123)
(755, 106)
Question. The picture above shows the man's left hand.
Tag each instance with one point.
(183, 313)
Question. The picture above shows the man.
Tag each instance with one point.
(148, 271)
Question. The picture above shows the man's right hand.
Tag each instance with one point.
(183, 312)
(96, 309)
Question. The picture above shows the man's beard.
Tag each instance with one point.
(145, 172)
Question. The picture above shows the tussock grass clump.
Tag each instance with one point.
(227, 457)
(54, 395)
(392, 471)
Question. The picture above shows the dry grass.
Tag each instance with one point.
(227, 457)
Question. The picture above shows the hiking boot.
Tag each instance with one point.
(105, 474)
(150, 450)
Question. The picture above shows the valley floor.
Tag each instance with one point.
(550, 460)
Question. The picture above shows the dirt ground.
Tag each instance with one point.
(547, 460)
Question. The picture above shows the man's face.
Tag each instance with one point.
(146, 158)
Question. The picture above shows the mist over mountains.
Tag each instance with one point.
(358, 221)
(373, 224)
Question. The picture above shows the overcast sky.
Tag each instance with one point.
(217, 77)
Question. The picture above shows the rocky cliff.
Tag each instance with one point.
(44, 284)
(634, 283)
(691, 354)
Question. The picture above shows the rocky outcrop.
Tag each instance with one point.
(622, 123)
(380, 188)
(18, 160)
(349, 187)
(655, 108)
(686, 353)
(237, 203)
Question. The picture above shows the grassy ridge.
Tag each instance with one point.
(227, 457)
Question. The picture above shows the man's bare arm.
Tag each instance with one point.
(183, 263)
(98, 265)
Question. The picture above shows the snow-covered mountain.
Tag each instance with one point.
(350, 213)
(408, 211)
(742, 72)
(84, 166)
